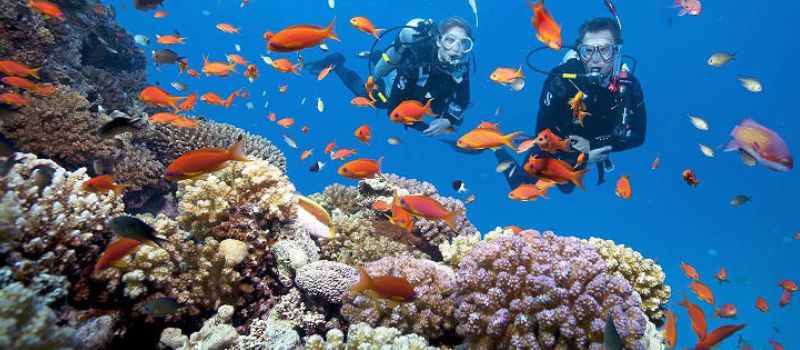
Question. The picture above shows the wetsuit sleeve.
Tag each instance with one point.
(552, 105)
(638, 120)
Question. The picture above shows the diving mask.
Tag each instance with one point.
(451, 42)
(606, 52)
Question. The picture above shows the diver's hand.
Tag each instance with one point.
(579, 143)
(437, 127)
(599, 155)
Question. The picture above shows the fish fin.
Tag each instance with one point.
(427, 108)
(329, 30)
(364, 281)
(578, 180)
(450, 219)
(119, 263)
(375, 33)
(518, 73)
(158, 241)
(508, 140)
(682, 12)
(118, 189)
(236, 152)
(392, 303)
(732, 146)
(35, 72)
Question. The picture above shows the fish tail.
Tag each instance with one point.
(376, 33)
(508, 140)
(329, 30)
(427, 108)
(173, 101)
(380, 160)
(236, 152)
(578, 179)
(364, 281)
(118, 189)
(35, 72)
(159, 241)
(450, 219)
(518, 73)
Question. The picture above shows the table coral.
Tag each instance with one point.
(645, 275)
(542, 291)
(430, 314)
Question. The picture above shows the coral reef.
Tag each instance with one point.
(542, 290)
(26, 322)
(216, 334)
(326, 281)
(268, 335)
(430, 314)
(362, 336)
(459, 246)
(171, 142)
(338, 196)
(645, 276)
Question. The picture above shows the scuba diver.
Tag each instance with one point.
(618, 118)
(423, 62)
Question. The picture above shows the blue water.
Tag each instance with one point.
(665, 219)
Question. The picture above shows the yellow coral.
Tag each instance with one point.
(645, 276)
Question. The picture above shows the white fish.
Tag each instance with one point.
(504, 166)
(238, 48)
(266, 59)
(249, 105)
(266, 104)
(263, 93)
(331, 3)
(518, 84)
(474, 7)
(289, 141)
(178, 86)
(698, 122)
(707, 151)
(303, 101)
(497, 111)
(720, 59)
(141, 40)
(511, 173)
(320, 105)
(393, 140)
(205, 13)
(363, 54)
(323, 47)
(752, 84)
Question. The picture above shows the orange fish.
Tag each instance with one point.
(193, 72)
(775, 345)
(324, 72)
(103, 184)
(394, 289)
(488, 125)
(14, 99)
(156, 96)
(183, 122)
(726, 311)
(286, 122)
(689, 177)
(429, 208)
(283, 88)
(160, 14)
(703, 292)
(219, 69)
(762, 305)
(526, 145)
(229, 100)
(188, 104)
(556, 170)
(529, 192)
(411, 111)
(236, 59)
(362, 102)
(199, 162)
(343, 153)
(477, 139)
(99, 10)
(329, 147)
(788, 285)
(547, 30)
(227, 28)
(306, 154)
(690, 271)
(47, 9)
(18, 69)
(549, 142)
(304, 129)
(298, 37)
(515, 229)
(361, 168)
(470, 199)
(212, 99)
(623, 189)
(722, 275)
(251, 72)
(786, 298)
(656, 162)
(283, 65)
(114, 251)
(670, 331)
(696, 316)
(365, 25)
(379, 205)
(370, 86)
(581, 159)
(271, 116)
(183, 63)
(506, 75)
(578, 107)
(45, 90)
(717, 336)
(163, 117)
(169, 39)
(363, 133)
(400, 217)
(23, 83)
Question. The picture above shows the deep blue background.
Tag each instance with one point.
(665, 219)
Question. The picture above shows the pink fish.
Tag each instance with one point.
(761, 144)
(690, 7)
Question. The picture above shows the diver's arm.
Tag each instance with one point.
(382, 68)
(552, 105)
(455, 111)
(638, 120)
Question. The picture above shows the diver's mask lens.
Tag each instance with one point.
(606, 52)
(451, 42)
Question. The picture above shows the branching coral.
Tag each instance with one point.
(362, 336)
(542, 291)
(338, 196)
(26, 322)
(217, 333)
(430, 314)
(170, 142)
(645, 276)
(60, 226)
(354, 244)
(256, 190)
(459, 246)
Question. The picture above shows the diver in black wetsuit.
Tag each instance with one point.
(424, 62)
(618, 119)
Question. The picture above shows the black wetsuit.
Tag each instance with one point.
(419, 77)
(603, 128)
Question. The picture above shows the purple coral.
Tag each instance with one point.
(542, 291)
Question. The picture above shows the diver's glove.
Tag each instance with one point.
(437, 127)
